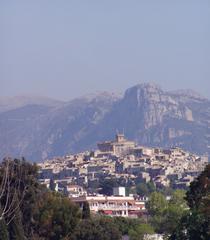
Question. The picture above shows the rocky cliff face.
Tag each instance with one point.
(145, 113)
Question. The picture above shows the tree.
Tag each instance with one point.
(86, 210)
(156, 206)
(127, 224)
(192, 226)
(172, 216)
(166, 191)
(56, 217)
(102, 228)
(199, 189)
(16, 178)
(12, 188)
(34, 192)
(107, 186)
(28, 209)
(178, 198)
(52, 185)
(195, 225)
(16, 229)
(140, 231)
(151, 187)
(142, 189)
(176, 208)
(145, 189)
(3, 230)
(166, 215)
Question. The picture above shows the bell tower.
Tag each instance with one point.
(120, 137)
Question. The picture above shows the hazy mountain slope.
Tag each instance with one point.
(9, 103)
(38, 132)
(146, 114)
(18, 127)
(65, 128)
(153, 117)
(156, 118)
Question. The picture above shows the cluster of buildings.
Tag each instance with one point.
(79, 175)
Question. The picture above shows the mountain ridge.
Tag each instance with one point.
(146, 113)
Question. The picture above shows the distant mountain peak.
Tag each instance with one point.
(188, 93)
(146, 113)
(100, 95)
(144, 88)
(9, 103)
(148, 85)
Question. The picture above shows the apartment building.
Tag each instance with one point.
(124, 206)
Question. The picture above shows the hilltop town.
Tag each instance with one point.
(79, 175)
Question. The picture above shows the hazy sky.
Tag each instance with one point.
(65, 48)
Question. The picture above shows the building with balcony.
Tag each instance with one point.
(124, 206)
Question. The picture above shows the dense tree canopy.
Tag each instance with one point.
(56, 217)
(107, 185)
(19, 191)
(165, 215)
(195, 225)
(28, 210)
(126, 224)
(145, 189)
(157, 204)
(139, 231)
(86, 211)
(103, 228)
(4, 235)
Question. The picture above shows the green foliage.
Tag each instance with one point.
(172, 216)
(178, 198)
(126, 224)
(192, 226)
(138, 232)
(32, 195)
(145, 189)
(142, 189)
(38, 213)
(195, 224)
(135, 228)
(157, 204)
(177, 207)
(56, 217)
(52, 185)
(3, 230)
(102, 228)
(199, 189)
(18, 195)
(107, 186)
(151, 187)
(86, 211)
(166, 191)
(164, 215)
(16, 230)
